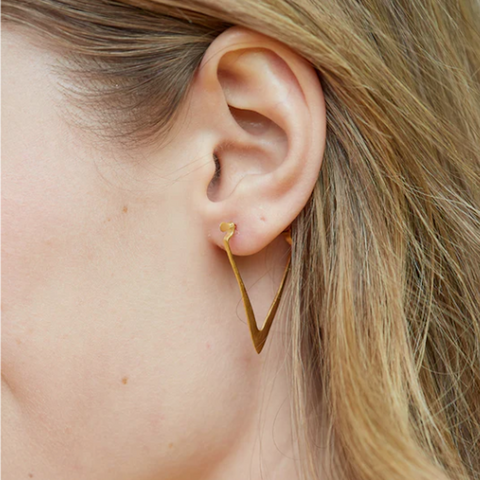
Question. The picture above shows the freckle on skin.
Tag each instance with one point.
(124, 380)
(30, 475)
(125, 209)
(109, 219)
(170, 445)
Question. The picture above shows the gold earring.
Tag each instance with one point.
(258, 336)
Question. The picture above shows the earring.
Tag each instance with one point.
(258, 336)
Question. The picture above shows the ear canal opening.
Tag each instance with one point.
(247, 157)
(213, 186)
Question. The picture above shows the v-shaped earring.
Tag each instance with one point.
(258, 336)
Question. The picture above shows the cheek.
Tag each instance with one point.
(41, 204)
(46, 200)
(44, 185)
(115, 338)
(150, 355)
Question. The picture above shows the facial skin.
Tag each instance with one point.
(125, 348)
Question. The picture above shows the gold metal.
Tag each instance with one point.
(258, 336)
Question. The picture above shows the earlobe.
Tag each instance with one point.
(263, 108)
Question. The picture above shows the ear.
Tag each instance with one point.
(260, 114)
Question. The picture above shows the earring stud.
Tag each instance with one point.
(259, 336)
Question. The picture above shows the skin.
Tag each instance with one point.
(125, 348)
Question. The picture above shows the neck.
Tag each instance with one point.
(266, 450)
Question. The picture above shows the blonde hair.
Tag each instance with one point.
(385, 279)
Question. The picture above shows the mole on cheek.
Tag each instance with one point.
(124, 380)
(125, 209)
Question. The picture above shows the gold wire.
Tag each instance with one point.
(258, 336)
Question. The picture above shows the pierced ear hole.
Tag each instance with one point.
(252, 122)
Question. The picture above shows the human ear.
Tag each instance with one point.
(260, 114)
